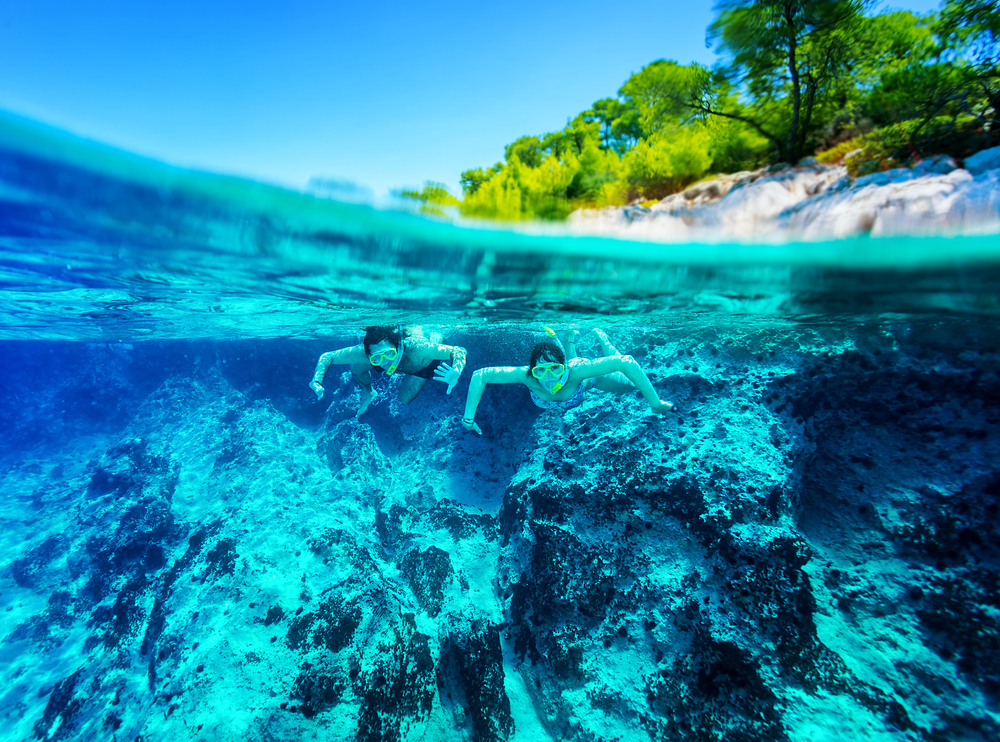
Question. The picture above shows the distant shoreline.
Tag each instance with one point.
(816, 201)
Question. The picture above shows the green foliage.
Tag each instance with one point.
(789, 55)
(796, 77)
(909, 141)
(914, 91)
(664, 164)
(735, 147)
(662, 94)
(550, 190)
(953, 69)
(594, 168)
(471, 180)
(432, 197)
(883, 44)
(836, 153)
(520, 191)
(969, 30)
(526, 149)
(889, 42)
(497, 198)
(620, 127)
(432, 193)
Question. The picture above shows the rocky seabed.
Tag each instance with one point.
(805, 550)
(817, 202)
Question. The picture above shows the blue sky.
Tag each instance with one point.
(385, 95)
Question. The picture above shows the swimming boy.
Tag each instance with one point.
(390, 349)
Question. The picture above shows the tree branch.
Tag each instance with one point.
(701, 107)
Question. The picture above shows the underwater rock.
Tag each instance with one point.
(427, 572)
(810, 535)
(472, 656)
(399, 692)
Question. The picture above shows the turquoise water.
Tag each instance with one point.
(195, 547)
(102, 245)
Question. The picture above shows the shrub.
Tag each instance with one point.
(497, 198)
(735, 147)
(909, 141)
(664, 164)
(836, 153)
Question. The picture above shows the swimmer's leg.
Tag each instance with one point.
(569, 344)
(616, 383)
(607, 349)
(409, 388)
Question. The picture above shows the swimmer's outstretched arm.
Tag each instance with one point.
(354, 354)
(482, 377)
(633, 372)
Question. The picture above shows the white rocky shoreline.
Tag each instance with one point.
(813, 201)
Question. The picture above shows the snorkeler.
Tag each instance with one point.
(390, 349)
(555, 378)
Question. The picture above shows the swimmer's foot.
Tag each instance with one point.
(663, 407)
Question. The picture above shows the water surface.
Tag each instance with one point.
(100, 245)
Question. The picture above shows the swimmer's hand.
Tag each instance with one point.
(662, 407)
(316, 388)
(366, 399)
(447, 374)
(470, 424)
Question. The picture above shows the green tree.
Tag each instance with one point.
(666, 94)
(618, 121)
(883, 43)
(472, 180)
(971, 29)
(946, 95)
(521, 191)
(670, 97)
(969, 33)
(431, 193)
(787, 55)
(528, 150)
(573, 138)
(660, 165)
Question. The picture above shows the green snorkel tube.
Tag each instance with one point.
(565, 376)
(399, 356)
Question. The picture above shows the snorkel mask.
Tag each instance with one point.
(565, 374)
(395, 358)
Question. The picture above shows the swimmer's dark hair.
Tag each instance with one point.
(545, 348)
(377, 333)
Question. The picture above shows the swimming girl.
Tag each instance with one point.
(387, 350)
(555, 380)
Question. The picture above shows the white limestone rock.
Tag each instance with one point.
(814, 201)
(981, 162)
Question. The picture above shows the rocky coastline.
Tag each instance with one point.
(811, 201)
